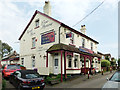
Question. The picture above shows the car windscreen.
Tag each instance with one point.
(115, 77)
(13, 67)
(32, 75)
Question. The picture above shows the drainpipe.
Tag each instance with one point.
(59, 34)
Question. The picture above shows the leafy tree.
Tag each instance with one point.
(107, 58)
(105, 63)
(119, 62)
(5, 49)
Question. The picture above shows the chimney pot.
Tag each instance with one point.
(83, 29)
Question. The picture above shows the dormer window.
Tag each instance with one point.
(37, 23)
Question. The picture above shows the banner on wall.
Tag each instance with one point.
(68, 35)
(48, 38)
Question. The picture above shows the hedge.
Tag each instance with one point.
(105, 63)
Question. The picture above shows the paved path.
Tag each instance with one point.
(0, 80)
(95, 81)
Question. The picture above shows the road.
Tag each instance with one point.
(96, 81)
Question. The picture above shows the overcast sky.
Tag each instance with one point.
(102, 25)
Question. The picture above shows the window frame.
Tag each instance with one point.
(37, 23)
(33, 42)
(83, 42)
(33, 61)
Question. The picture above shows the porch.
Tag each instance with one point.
(72, 59)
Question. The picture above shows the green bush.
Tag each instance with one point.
(105, 63)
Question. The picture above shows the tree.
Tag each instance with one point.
(107, 58)
(119, 62)
(5, 49)
(105, 63)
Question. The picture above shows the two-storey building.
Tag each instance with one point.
(53, 47)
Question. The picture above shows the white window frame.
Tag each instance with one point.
(33, 42)
(33, 61)
(37, 23)
(83, 42)
(92, 46)
(22, 61)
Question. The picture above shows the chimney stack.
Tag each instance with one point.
(47, 8)
(83, 29)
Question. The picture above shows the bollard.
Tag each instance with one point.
(88, 74)
(102, 71)
(110, 70)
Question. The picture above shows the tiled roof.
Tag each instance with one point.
(70, 48)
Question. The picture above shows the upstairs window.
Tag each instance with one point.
(37, 23)
(83, 42)
(33, 42)
(91, 46)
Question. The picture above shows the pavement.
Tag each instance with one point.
(0, 80)
(83, 80)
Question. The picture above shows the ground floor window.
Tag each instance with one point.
(22, 61)
(33, 61)
(69, 61)
(75, 60)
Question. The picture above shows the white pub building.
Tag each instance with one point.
(53, 47)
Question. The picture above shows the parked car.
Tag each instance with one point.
(27, 79)
(113, 82)
(8, 69)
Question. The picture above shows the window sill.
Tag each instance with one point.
(33, 48)
(72, 45)
(36, 27)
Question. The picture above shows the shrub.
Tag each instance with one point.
(105, 63)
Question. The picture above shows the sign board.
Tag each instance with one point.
(48, 38)
(68, 35)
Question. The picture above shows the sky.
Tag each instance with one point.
(101, 25)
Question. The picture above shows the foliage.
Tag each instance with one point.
(5, 49)
(3, 84)
(107, 58)
(113, 62)
(105, 63)
(119, 62)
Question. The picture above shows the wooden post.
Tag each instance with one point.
(61, 67)
(65, 64)
(84, 65)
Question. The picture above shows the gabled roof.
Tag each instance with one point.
(62, 24)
